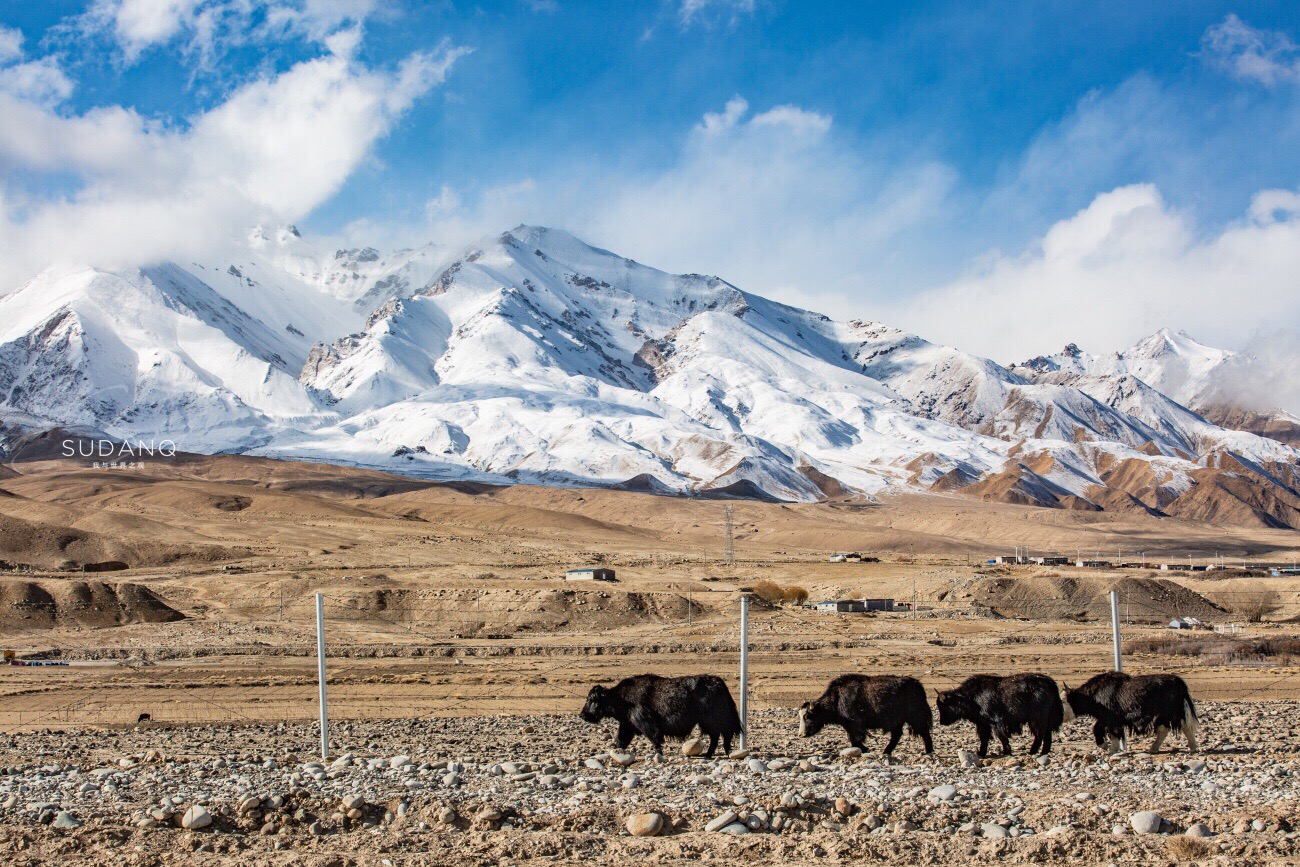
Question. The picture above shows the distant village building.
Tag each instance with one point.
(841, 606)
(589, 575)
(838, 558)
(855, 606)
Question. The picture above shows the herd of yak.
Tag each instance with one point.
(672, 707)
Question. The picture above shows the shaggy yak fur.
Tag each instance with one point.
(1122, 703)
(1003, 706)
(666, 707)
(862, 703)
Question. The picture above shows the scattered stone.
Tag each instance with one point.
(196, 817)
(946, 792)
(65, 821)
(722, 821)
(1146, 822)
(693, 747)
(1200, 829)
(645, 824)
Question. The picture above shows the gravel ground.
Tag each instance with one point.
(488, 790)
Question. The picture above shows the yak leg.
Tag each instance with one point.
(929, 744)
(713, 745)
(1006, 744)
(650, 728)
(1161, 733)
(1047, 743)
(984, 733)
(625, 734)
(894, 735)
(726, 744)
(1038, 741)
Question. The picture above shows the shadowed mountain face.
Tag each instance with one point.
(534, 357)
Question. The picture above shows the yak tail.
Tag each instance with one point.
(1191, 724)
(733, 713)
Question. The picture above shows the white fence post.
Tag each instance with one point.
(320, 674)
(1115, 639)
(744, 672)
(1114, 629)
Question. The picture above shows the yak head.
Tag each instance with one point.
(953, 707)
(810, 719)
(1066, 705)
(599, 706)
(1079, 703)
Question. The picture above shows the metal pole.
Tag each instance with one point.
(1114, 628)
(744, 672)
(320, 673)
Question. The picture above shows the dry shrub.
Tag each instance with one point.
(1218, 649)
(795, 595)
(1184, 848)
(770, 592)
(1253, 602)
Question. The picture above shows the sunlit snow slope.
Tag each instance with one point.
(536, 357)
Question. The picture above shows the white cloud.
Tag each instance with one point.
(11, 44)
(1119, 269)
(205, 28)
(41, 81)
(690, 11)
(139, 24)
(771, 201)
(1250, 54)
(272, 151)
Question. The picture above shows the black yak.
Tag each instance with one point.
(666, 707)
(1003, 706)
(1139, 704)
(862, 703)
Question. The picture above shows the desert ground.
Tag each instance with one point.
(453, 640)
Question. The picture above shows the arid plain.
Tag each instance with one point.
(448, 602)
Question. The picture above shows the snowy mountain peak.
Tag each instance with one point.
(536, 356)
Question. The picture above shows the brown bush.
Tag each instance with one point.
(1184, 848)
(795, 595)
(1253, 602)
(770, 592)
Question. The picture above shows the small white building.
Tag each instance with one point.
(841, 606)
(590, 574)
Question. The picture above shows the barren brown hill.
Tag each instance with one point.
(233, 508)
(71, 602)
(1085, 598)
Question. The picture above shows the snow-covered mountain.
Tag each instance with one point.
(1231, 389)
(535, 357)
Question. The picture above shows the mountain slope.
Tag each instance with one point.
(536, 357)
(1229, 389)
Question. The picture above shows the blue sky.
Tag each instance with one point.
(868, 159)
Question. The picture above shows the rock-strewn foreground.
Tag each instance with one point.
(480, 790)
